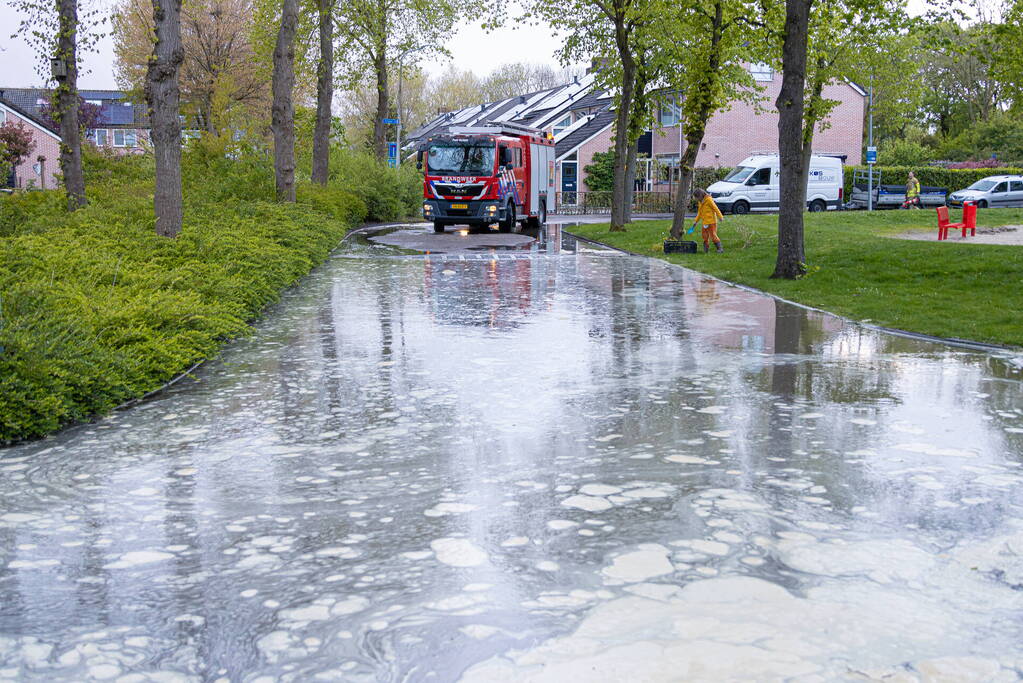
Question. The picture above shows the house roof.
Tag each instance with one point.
(115, 107)
(36, 122)
(578, 134)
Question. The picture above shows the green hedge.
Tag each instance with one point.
(934, 176)
(95, 309)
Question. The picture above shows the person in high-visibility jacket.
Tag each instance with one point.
(912, 192)
(708, 214)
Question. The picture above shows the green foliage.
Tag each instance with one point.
(900, 152)
(600, 173)
(389, 194)
(18, 208)
(931, 176)
(1000, 135)
(95, 309)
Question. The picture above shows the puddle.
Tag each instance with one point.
(417, 240)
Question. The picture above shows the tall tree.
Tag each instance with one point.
(67, 104)
(608, 33)
(282, 122)
(324, 92)
(791, 261)
(823, 50)
(61, 35)
(384, 33)
(219, 62)
(164, 111)
(707, 46)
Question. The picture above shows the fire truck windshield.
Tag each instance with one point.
(463, 159)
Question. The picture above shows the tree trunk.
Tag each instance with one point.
(630, 180)
(383, 105)
(162, 97)
(687, 165)
(283, 113)
(622, 115)
(791, 262)
(324, 93)
(67, 105)
(696, 129)
(809, 125)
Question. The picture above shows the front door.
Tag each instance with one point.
(569, 182)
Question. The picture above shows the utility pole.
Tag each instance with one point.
(401, 114)
(870, 146)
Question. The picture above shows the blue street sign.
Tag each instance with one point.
(392, 162)
(392, 150)
(391, 121)
(871, 155)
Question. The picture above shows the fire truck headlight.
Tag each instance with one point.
(492, 208)
(427, 209)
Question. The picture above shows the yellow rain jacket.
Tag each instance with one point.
(708, 212)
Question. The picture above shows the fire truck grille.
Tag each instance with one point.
(458, 190)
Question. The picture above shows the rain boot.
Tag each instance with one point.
(706, 247)
(720, 249)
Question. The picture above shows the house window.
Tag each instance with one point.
(118, 137)
(3, 116)
(130, 138)
(101, 137)
(666, 168)
(562, 125)
(761, 72)
(668, 113)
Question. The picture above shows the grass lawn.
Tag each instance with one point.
(965, 291)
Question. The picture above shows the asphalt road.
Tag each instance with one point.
(529, 459)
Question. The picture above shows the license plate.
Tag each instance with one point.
(459, 206)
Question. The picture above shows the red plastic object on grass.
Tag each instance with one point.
(970, 218)
(944, 225)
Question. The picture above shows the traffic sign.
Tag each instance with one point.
(871, 155)
(392, 150)
(391, 121)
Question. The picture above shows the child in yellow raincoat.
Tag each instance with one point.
(708, 214)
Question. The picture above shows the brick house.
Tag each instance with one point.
(39, 168)
(581, 118)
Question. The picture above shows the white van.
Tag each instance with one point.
(753, 185)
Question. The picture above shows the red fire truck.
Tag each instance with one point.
(480, 175)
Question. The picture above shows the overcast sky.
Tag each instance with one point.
(472, 48)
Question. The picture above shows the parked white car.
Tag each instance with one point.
(754, 185)
(993, 191)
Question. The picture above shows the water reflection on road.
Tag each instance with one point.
(530, 464)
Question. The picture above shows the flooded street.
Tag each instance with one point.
(519, 460)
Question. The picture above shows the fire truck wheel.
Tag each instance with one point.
(508, 224)
(438, 226)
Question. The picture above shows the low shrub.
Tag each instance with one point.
(95, 309)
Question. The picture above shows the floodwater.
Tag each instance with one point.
(529, 461)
